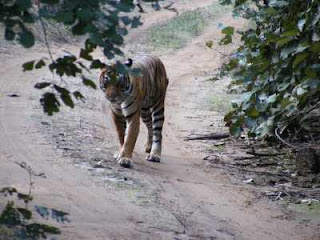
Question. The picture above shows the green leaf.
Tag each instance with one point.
(283, 86)
(42, 211)
(283, 41)
(315, 47)
(25, 197)
(253, 112)
(97, 64)
(228, 30)
(61, 90)
(35, 230)
(27, 214)
(24, 4)
(66, 98)
(285, 52)
(285, 102)
(299, 58)
(8, 190)
(227, 118)
(40, 64)
(28, 66)
(79, 28)
(239, 2)
(209, 44)
(272, 98)
(310, 72)
(126, 20)
(64, 95)
(235, 130)
(278, 3)
(270, 122)
(49, 1)
(290, 33)
(88, 82)
(66, 17)
(226, 40)
(85, 54)
(49, 103)
(26, 39)
(59, 216)
(10, 216)
(263, 130)
(136, 22)
(78, 96)
(250, 122)
(28, 17)
(85, 14)
(270, 11)
(42, 85)
(9, 35)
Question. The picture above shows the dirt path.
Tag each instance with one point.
(148, 201)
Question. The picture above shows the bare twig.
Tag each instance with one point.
(264, 154)
(254, 171)
(182, 217)
(283, 141)
(31, 173)
(44, 32)
(212, 136)
(173, 9)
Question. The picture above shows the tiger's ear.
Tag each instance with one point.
(128, 63)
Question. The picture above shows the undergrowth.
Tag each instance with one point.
(178, 31)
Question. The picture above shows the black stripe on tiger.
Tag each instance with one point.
(158, 119)
(159, 112)
(157, 128)
(125, 107)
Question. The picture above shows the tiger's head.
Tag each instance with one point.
(115, 85)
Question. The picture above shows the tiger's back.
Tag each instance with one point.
(154, 79)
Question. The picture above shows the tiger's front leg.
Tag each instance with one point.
(120, 124)
(132, 132)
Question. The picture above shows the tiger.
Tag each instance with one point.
(132, 96)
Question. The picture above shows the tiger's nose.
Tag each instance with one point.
(112, 95)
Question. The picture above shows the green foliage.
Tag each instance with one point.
(104, 23)
(277, 66)
(228, 31)
(17, 222)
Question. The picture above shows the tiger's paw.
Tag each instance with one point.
(153, 158)
(125, 162)
(147, 147)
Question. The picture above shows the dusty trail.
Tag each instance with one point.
(100, 209)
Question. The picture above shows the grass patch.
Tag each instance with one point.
(178, 31)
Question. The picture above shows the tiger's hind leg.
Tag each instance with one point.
(147, 119)
(157, 124)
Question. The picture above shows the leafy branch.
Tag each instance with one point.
(277, 66)
(17, 222)
(102, 23)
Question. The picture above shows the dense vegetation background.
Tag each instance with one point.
(277, 68)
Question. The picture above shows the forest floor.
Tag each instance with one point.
(196, 192)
